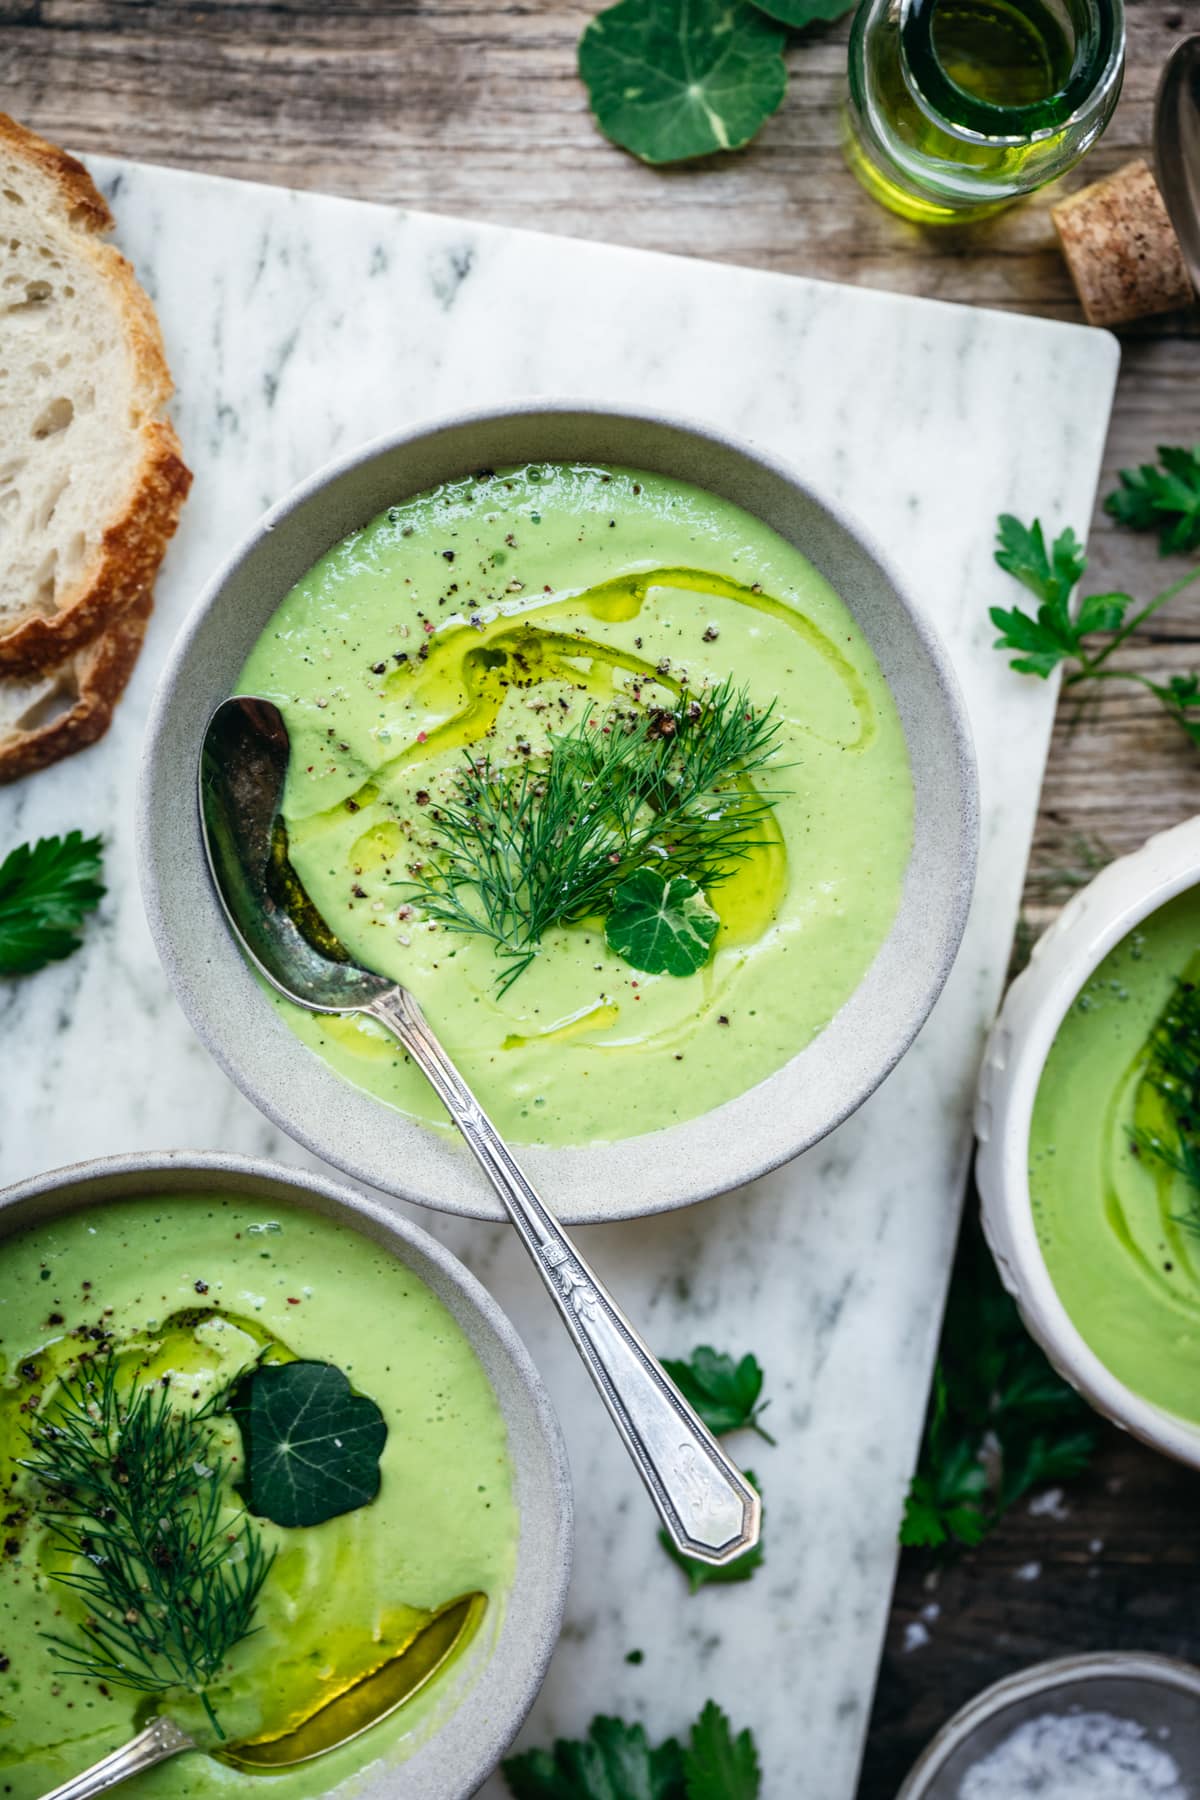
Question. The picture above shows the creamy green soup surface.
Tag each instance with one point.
(342, 1595)
(488, 615)
(1116, 1226)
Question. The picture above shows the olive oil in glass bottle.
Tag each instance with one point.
(958, 107)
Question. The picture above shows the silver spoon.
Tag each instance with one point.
(709, 1509)
(1177, 147)
(330, 1724)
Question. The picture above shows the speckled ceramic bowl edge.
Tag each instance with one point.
(1089, 926)
(461, 1753)
(735, 1142)
(1031, 1684)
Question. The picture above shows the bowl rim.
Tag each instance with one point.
(495, 1728)
(619, 1173)
(1093, 923)
(1041, 1678)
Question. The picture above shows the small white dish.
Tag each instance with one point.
(1155, 1692)
(1094, 922)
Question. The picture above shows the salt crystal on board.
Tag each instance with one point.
(1076, 1756)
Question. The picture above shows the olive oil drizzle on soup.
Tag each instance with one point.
(487, 616)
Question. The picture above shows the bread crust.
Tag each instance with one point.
(133, 544)
(82, 200)
(102, 669)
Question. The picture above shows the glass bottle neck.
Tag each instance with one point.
(1072, 52)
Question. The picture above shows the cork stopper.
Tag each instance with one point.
(1121, 248)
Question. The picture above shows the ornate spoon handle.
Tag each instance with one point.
(708, 1507)
(161, 1738)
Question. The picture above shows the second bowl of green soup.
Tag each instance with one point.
(276, 1469)
(626, 755)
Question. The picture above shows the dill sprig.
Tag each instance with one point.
(1173, 1072)
(132, 1489)
(525, 847)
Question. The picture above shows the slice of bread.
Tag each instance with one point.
(91, 476)
(48, 716)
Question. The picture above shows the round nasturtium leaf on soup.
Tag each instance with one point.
(661, 923)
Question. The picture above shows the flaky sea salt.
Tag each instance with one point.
(1075, 1756)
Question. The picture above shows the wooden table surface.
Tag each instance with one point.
(473, 107)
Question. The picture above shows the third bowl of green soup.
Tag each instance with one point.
(1089, 1129)
(278, 1476)
(621, 750)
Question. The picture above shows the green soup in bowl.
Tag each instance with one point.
(365, 1471)
(1117, 1213)
(478, 594)
(490, 621)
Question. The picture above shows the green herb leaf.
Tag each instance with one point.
(1181, 698)
(717, 1765)
(724, 1393)
(45, 891)
(701, 1574)
(1162, 497)
(799, 13)
(133, 1490)
(1022, 552)
(312, 1445)
(614, 1762)
(673, 79)
(526, 848)
(1000, 1421)
(661, 923)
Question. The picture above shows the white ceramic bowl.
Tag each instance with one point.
(1155, 1692)
(1089, 926)
(759, 1129)
(468, 1740)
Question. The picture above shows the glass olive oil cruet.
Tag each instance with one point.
(958, 107)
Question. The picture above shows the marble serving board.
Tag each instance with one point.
(299, 325)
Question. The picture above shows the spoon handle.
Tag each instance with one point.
(161, 1738)
(709, 1509)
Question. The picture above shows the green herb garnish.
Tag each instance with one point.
(673, 79)
(1053, 637)
(46, 889)
(133, 1489)
(701, 1574)
(312, 1445)
(1162, 497)
(1173, 1073)
(725, 1393)
(617, 1762)
(1000, 1422)
(525, 848)
(661, 923)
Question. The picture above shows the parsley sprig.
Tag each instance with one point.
(46, 891)
(616, 1761)
(1054, 636)
(724, 1391)
(1001, 1423)
(1162, 497)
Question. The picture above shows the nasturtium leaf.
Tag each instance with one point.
(799, 13)
(661, 923)
(312, 1445)
(673, 79)
(725, 1393)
